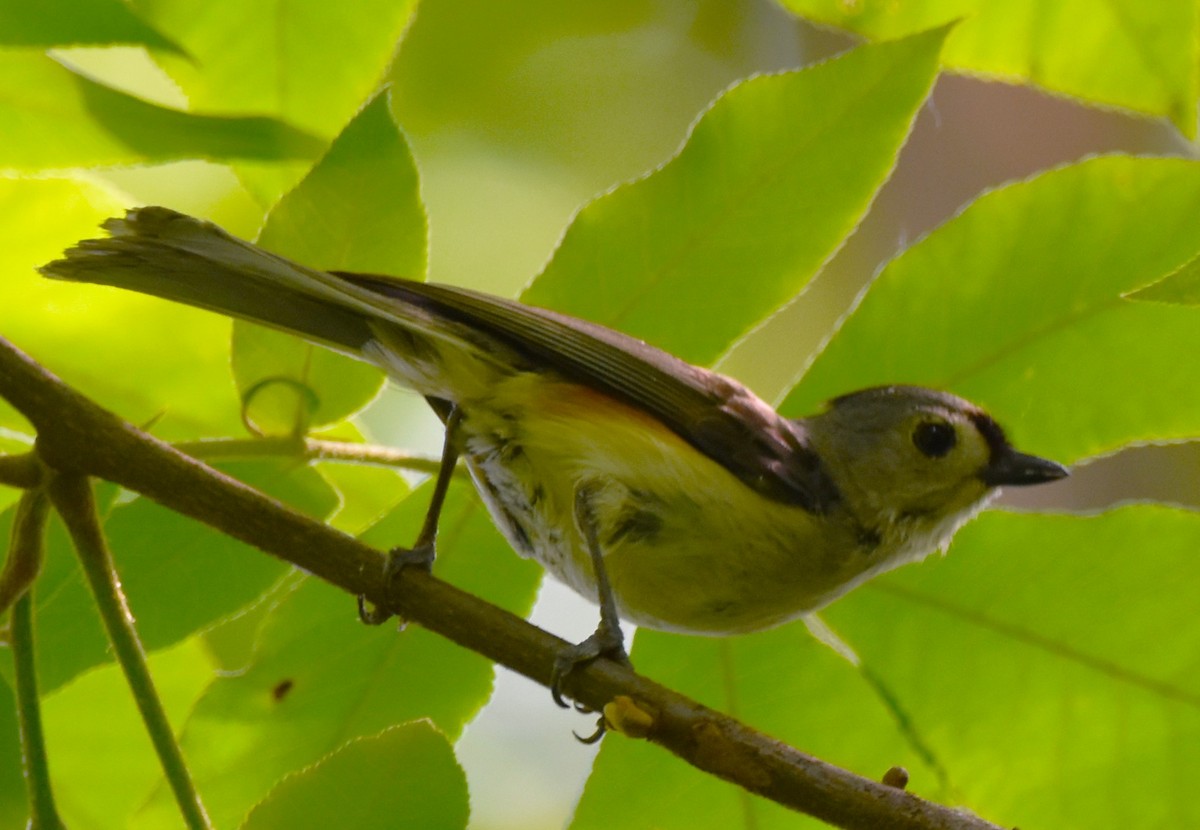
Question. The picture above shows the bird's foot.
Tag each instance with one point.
(397, 559)
(606, 641)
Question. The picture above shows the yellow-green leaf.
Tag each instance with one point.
(1129, 53)
(75, 22)
(773, 177)
(1180, 287)
(56, 119)
(358, 209)
(1017, 303)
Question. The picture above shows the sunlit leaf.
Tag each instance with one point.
(319, 679)
(313, 65)
(100, 788)
(1047, 641)
(160, 362)
(75, 22)
(1124, 52)
(1181, 286)
(783, 682)
(1017, 303)
(56, 119)
(178, 574)
(1055, 644)
(358, 209)
(771, 180)
(367, 493)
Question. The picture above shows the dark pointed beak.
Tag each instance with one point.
(1018, 469)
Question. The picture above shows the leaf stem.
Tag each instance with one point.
(72, 497)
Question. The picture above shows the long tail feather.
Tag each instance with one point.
(154, 250)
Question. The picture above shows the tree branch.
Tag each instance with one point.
(76, 436)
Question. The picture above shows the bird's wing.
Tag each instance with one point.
(716, 414)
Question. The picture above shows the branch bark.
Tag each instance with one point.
(76, 436)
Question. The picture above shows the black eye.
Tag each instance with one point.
(934, 438)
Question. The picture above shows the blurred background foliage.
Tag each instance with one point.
(1046, 673)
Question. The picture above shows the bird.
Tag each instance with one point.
(669, 494)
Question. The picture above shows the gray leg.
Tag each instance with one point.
(607, 640)
(421, 554)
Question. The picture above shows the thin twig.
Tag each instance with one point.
(71, 494)
(306, 449)
(28, 533)
(76, 435)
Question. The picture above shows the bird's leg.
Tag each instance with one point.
(422, 553)
(607, 640)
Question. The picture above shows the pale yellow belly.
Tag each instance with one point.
(688, 547)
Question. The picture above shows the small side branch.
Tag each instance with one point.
(71, 495)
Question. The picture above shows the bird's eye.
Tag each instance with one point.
(934, 438)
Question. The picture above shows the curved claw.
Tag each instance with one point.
(376, 615)
(601, 728)
(556, 680)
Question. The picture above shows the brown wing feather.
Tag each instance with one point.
(717, 415)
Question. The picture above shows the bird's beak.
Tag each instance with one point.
(1018, 469)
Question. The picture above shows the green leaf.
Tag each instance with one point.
(1133, 54)
(165, 362)
(204, 574)
(1181, 286)
(367, 493)
(772, 179)
(1017, 303)
(1048, 641)
(178, 574)
(312, 66)
(783, 682)
(55, 119)
(102, 787)
(358, 209)
(319, 679)
(1057, 644)
(405, 778)
(76, 22)
(231, 642)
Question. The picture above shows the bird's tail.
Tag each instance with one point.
(154, 250)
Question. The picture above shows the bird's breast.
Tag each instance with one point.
(687, 545)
